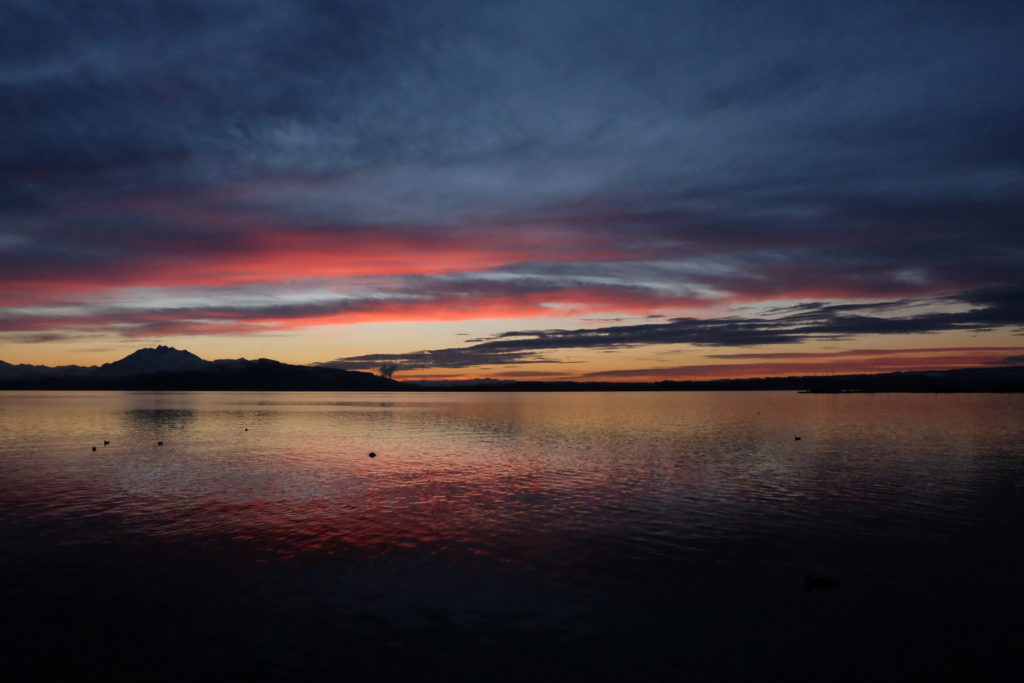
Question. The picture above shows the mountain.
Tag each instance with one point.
(153, 361)
(24, 371)
(167, 368)
(484, 382)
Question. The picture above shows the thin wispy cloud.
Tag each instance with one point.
(797, 325)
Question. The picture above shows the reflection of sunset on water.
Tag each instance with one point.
(593, 526)
(502, 475)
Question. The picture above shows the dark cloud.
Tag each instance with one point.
(440, 358)
(667, 151)
(1011, 360)
(793, 325)
(810, 355)
(469, 103)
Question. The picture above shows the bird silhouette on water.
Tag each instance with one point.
(372, 454)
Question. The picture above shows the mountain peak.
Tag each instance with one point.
(160, 351)
(153, 360)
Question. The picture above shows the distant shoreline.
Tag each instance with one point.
(167, 369)
(962, 381)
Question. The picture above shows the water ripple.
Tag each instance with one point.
(609, 524)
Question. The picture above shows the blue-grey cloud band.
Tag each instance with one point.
(792, 325)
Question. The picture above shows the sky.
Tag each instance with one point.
(589, 190)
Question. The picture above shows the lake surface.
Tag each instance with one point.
(502, 536)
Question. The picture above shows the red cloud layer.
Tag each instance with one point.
(269, 258)
(557, 303)
(212, 243)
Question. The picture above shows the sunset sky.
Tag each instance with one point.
(523, 190)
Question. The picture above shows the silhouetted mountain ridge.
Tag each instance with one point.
(167, 368)
(155, 360)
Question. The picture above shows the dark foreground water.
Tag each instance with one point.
(639, 536)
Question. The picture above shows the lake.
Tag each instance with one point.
(501, 536)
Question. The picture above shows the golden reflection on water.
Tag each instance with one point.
(480, 472)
